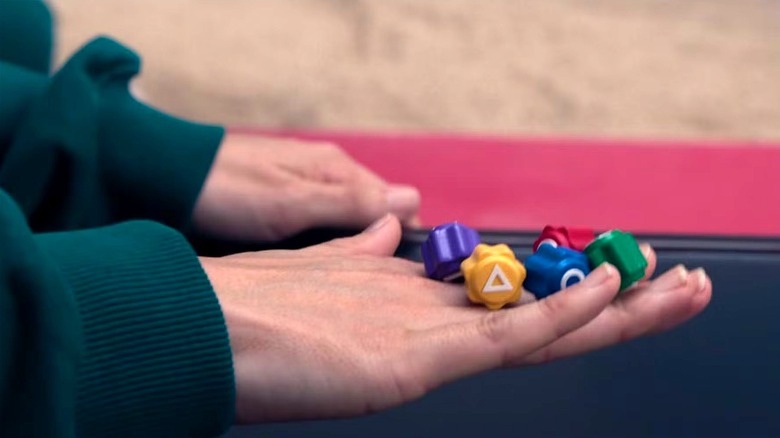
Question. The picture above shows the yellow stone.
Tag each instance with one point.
(494, 277)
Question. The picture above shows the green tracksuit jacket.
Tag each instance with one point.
(108, 324)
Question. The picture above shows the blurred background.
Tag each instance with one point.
(703, 69)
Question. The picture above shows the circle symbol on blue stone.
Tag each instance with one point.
(571, 277)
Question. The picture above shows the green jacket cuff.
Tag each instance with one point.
(159, 162)
(157, 359)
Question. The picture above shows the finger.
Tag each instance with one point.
(359, 205)
(413, 222)
(379, 239)
(652, 259)
(672, 278)
(499, 337)
(672, 299)
(403, 201)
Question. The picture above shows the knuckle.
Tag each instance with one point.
(552, 307)
(552, 310)
(493, 327)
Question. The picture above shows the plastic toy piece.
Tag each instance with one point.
(554, 268)
(574, 238)
(445, 248)
(493, 276)
(621, 250)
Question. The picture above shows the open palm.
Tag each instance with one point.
(343, 328)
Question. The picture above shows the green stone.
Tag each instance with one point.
(621, 250)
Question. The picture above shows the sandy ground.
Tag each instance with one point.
(618, 68)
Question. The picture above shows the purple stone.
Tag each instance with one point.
(445, 248)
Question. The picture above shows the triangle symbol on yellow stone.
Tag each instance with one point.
(497, 282)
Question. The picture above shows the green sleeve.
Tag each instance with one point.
(112, 331)
(78, 151)
(107, 330)
(26, 34)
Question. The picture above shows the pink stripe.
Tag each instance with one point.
(641, 186)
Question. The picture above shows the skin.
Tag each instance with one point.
(344, 329)
(266, 189)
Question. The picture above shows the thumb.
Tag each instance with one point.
(380, 239)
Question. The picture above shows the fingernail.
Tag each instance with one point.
(378, 224)
(414, 222)
(682, 275)
(645, 248)
(674, 278)
(402, 200)
(600, 276)
(700, 279)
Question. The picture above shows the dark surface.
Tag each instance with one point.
(717, 375)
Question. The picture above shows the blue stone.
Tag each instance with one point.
(553, 268)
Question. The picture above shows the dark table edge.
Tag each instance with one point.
(208, 246)
(660, 242)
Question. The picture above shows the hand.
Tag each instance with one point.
(266, 189)
(343, 329)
